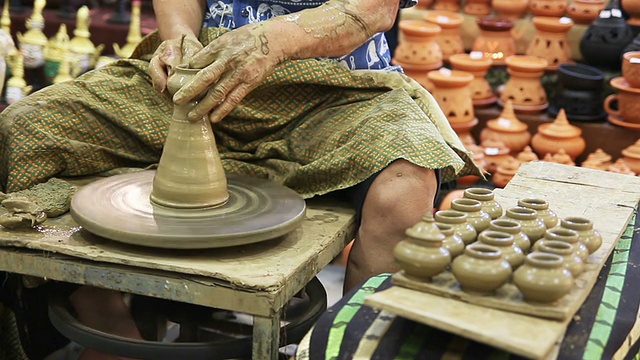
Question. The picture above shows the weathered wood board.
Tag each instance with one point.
(608, 199)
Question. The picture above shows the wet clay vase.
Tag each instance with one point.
(587, 235)
(550, 41)
(604, 40)
(452, 91)
(524, 87)
(481, 269)
(510, 9)
(542, 207)
(418, 45)
(449, 38)
(531, 224)
(487, 200)
(477, 7)
(495, 40)
(570, 258)
(505, 171)
(508, 129)
(458, 220)
(478, 65)
(421, 255)
(190, 173)
(505, 242)
(631, 156)
(543, 278)
(579, 93)
(550, 8)
(478, 218)
(452, 241)
(570, 237)
(514, 228)
(583, 12)
(556, 135)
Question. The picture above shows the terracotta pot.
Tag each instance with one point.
(510, 9)
(452, 241)
(620, 167)
(478, 65)
(631, 67)
(632, 8)
(543, 278)
(598, 159)
(542, 207)
(481, 269)
(459, 222)
(627, 100)
(495, 152)
(495, 40)
(477, 7)
(527, 155)
(524, 87)
(550, 41)
(449, 39)
(528, 219)
(505, 242)
(505, 171)
(418, 45)
(583, 12)
(486, 197)
(453, 93)
(557, 135)
(515, 229)
(447, 5)
(477, 217)
(508, 129)
(587, 235)
(548, 7)
(570, 237)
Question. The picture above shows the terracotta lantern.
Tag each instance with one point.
(510, 9)
(453, 94)
(550, 41)
(557, 135)
(418, 51)
(524, 87)
(495, 39)
(477, 64)
(583, 12)
(449, 39)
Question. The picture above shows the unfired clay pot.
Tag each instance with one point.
(531, 224)
(503, 241)
(542, 207)
(481, 269)
(570, 237)
(543, 278)
(452, 241)
(590, 237)
(458, 220)
(487, 200)
(478, 218)
(514, 228)
(571, 260)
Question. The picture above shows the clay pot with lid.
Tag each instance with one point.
(421, 255)
(477, 217)
(495, 40)
(449, 39)
(505, 242)
(555, 8)
(559, 134)
(514, 228)
(508, 129)
(524, 87)
(495, 152)
(486, 197)
(542, 207)
(569, 236)
(604, 40)
(510, 9)
(527, 155)
(620, 167)
(599, 159)
(571, 260)
(453, 93)
(481, 269)
(631, 156)
(583, 12)
(452, 241)
(418, 45)
(458, 220)
(531, 224)
(543, 278)
(477, 64)
(587, 235)
(550, 41)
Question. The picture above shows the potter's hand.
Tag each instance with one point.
(232, 65)
(170, 54)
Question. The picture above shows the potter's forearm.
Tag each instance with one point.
(332, 29)
(178, 17)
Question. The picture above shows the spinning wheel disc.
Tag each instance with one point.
(119, 208)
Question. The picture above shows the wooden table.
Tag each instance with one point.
(256, 279)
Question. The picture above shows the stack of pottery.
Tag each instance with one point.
(477, 7)
(495, 39)
(559, 134)
(508, 129)
(631, 156)
(579, 93)
(583, 12)
(626, 113)
(524, 87)
(510, 9)
(477, 64)
(550, 41)
(452, 91)
(449, 38)
(418, 51)
(554, 8)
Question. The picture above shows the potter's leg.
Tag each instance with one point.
(396, 200)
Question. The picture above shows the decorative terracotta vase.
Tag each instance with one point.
(542, 207)
(627, 100)
(505, 242)
(527, 155)
(631, 156)
(514, 228)
(620, 167)
(458, 220)
(478, 218)
(495, 40)
(190, 172)
(632, 8)
(481, 269)
(570, 237)
(583, 12)
(524, 87)
(418, 45)
(510, 9)
(452, 241)
(558, 134)
(508, 129)
(531, 224)
(505, 171)
(548, 7)
(421, 254)
(543, 278)
(453, 93)
(486, 197)
(598, 159)
(551, 42)
(587, 235)
(570, 258)
(579, 93)
(478, 65)
(477, 7)
(449, 39)
(604, 40)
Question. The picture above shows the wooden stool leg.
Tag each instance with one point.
(266, 336)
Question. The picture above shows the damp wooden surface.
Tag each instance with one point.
(608, 199)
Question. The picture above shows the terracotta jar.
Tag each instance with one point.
(481, 269)
(631, 156)
(505, 242)
(510, 9)
(458, 220)
(449, 39)
(508, 129)
(478, 218)
(447, 5)
(495, 40)
(524, 87)
(620, 167)
(486, 197)
(514, 228)
(531, 224)
(583, 12)
(452, 91)
(548, 7)
(542, 207)
(477, 7)
(495, 152)
(550, 41)
(570, 258)
(587, 235)
(527, 155)
(568, 236)
(418, 45)
(632, 8)
(559, 134)
(543, 278)
(478, 65)
(452, 241)
(505, 171)
(421, 255)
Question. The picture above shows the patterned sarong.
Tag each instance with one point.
(313, 126)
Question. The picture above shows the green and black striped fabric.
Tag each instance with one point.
(607, 326)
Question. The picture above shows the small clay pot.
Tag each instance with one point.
(487, 200)
(559, 134)
(528, 218)
(503, 241)
(507, 128)
(452, 241)
(481, 269)
(478, 218)
(571, 259)
(458, 220)
(568, 236)
(542, 207)
(587, 235)
(543, 278)
(515, 229)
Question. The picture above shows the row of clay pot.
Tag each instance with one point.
(483, 252)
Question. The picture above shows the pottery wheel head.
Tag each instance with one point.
(119, 208)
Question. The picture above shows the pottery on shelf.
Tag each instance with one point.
(508, 129)
(495, 40)
(632, 9)
(477, 64)
(418, 44)
(570, 258)
(559, 134)
(495, 152)
(481, 269)
(550, 41)
(449, 39)
(587, 235)
(453, 93)
(505, 171)
(627, 100)
(477, 217)
(477, 7)
(551, 8)
(598, 160)
(487, 200)
(528, 218)
(505, 242)
(540, 205)
(447, 5)
(527, 155)
(543, 278)
(631, 156)
(524, 87)
(568, 236)
(631, 68)
(190, 172)
(604, 40)
(421, 255)
(583, 12)
(579, 93)
(514, 228)
(452, 241)
(458, 220)
(510, 9)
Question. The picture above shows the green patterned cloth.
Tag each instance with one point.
(313, 126)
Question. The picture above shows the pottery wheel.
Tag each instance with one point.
(118, 208)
